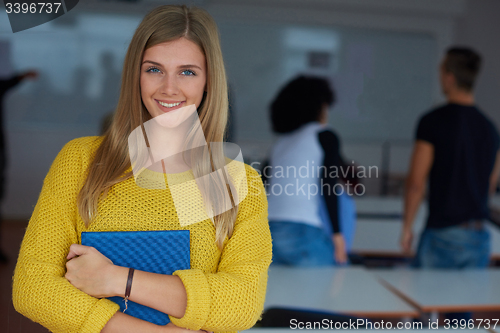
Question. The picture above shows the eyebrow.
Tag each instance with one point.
(160, 65)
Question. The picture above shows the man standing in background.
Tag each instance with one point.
(456, 150)
(5, 85)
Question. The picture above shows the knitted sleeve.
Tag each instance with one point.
(233, 298)
(40, 290)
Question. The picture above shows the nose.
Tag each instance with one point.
(169, 85)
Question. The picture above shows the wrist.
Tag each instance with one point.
(407, 227)
(118, 280)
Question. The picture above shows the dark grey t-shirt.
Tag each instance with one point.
(465, 147)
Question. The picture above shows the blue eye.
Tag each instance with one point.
(152, 70)
(188, 72)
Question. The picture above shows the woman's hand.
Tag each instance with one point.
(171, 328)
(93, 273)
(340, 249)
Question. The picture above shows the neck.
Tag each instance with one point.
(461, 97)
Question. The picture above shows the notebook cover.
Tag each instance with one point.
(162, 252)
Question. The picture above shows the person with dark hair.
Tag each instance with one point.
(464, 64)
(6, 85)
(457, 152)
(301, 101)
(303, 182)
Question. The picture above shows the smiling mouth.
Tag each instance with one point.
(169, 105)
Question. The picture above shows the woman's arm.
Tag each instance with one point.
(332, 161)
(40, 290)
(122, 323)
(231, 299)
(7, 84)
(93, 273)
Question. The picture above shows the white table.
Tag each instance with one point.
(445, 290)
(380, 235)
(351, 290)
(377, 233)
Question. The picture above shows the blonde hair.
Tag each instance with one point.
(111, 160)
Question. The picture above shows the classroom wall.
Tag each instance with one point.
(479, 28)
(80, 75)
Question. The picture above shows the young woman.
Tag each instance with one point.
(174, 60)
(307, 199)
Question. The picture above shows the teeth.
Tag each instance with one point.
(169, 105)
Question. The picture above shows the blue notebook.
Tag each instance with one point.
(162, 252)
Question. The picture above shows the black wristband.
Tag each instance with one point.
(129, 287)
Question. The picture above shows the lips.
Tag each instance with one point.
(170, 105)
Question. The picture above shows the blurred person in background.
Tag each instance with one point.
(305, 211)
(5, 86)
(455, 150)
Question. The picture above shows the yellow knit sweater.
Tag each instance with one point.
(225, 290)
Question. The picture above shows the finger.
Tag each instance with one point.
(70, 255)
(77, 250)
(343, 258)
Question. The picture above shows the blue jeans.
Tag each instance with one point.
(300, 244)
(453, 247)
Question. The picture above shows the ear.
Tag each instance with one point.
(445, 78)
(453, 80)
(450, 79)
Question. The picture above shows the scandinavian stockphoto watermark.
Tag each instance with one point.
(294, 180)
(26, 14)
(205, 179)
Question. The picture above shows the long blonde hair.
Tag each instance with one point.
(111, 160)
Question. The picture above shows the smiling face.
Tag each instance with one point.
(173, 75)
